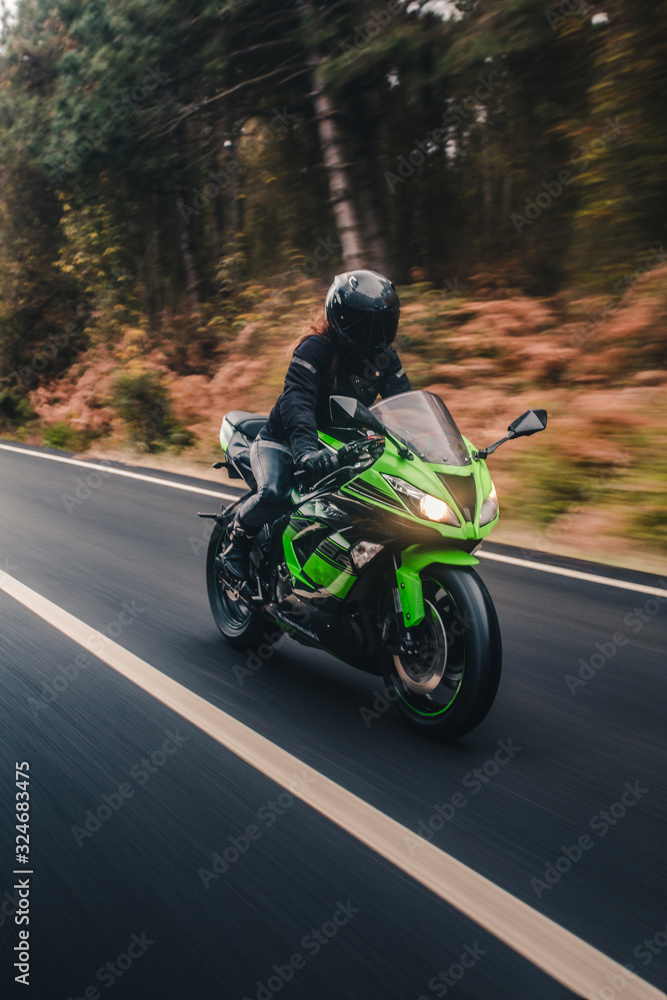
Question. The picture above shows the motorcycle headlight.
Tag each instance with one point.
(430, 507)
(489, 507)
(437, 510)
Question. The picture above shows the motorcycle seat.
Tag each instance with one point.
(248, 424)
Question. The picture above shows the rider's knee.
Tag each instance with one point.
(274, 496)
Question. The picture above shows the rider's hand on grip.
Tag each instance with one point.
(318, 463)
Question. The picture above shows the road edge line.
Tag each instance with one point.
(494, 556)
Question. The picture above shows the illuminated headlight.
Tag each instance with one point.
(363, 552)
(437, 510)
(426, 505)
(489, 507)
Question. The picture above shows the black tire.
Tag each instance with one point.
(240, 626)
(448, 689)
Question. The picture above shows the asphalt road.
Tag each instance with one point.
(127, 560)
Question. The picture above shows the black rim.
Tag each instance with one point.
(234, 613)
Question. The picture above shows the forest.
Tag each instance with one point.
(179, 182)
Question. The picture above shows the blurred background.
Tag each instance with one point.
(180, 181)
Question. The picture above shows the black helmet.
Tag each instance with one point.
(363, 308)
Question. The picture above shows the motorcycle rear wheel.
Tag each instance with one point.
(240, 625)
(447, 688)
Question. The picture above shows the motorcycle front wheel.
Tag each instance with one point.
(446, 685)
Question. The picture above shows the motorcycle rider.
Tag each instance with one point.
(346, 351)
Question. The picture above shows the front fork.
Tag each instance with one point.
(399, 638)
(408, 593)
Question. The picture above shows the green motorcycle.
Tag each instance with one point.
(374, 563)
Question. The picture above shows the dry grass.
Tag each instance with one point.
(594, 484)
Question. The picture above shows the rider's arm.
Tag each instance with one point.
(394, 380)
(309, 366)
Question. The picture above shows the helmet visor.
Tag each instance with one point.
(373, 330)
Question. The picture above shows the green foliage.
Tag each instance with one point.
(649, 521)
(92, 256)
(158, 160)
(62, 435)
(143, 401)
(14, 409)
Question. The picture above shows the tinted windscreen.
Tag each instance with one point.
(423, 421)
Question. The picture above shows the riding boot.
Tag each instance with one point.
(235, 559)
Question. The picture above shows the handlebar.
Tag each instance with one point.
(350, 458)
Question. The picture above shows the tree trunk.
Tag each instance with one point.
(486, 186)
(183, 212)
(507, 198)
(377, 253)
(368, 116)
(191, 277)
(344, 212)
(154, 283)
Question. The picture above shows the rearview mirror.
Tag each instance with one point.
(349, 412)
(528, 423)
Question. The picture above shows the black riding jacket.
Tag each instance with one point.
(303, 405)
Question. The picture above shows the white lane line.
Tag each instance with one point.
(122, 472)
(574, 574)
(576, 964)
(511, 560)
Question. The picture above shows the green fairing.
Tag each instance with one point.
(333, 579)
(293, 565)
(413, 561)
(318, 572)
